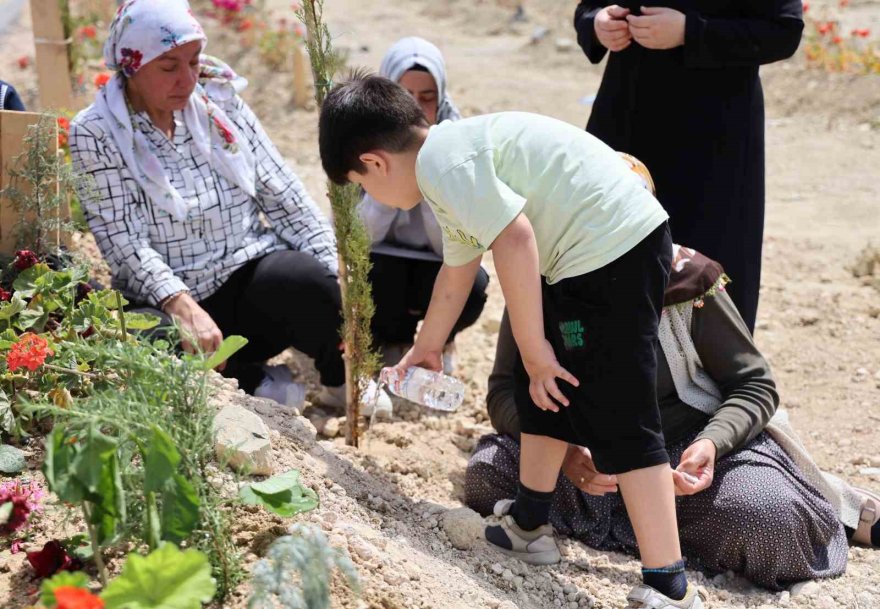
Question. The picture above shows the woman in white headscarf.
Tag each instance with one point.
(407, 245)
(181, 172)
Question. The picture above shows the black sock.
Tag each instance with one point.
(849, 531)
(875, 533)
(531, 508)
(669, 580)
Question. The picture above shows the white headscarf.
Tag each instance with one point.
(142, 31)
(412, 51)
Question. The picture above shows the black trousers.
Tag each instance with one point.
(284, 299)
(402, 291)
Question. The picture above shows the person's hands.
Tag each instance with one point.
(432, 359)
(543, 370)
(612, 29)
(657, 28)
(696, 469)
(198, 330)
(579, 468)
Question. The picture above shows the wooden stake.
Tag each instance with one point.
(300, 84)
(53, 65)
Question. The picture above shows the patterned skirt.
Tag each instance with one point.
(760, 518)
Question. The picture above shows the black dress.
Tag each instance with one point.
(695, 116)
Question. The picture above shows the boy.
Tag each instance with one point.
(582, 253)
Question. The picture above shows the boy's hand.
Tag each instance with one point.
(432, 360)
(543, 370)
(580, 469)
(696, 469)
(658, 28)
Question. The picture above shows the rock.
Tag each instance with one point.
(874, 461)
(331, 427)
(12, 459)
(497, 569)
(507, 575)
(463, 526)
(492, 325)
(569, 589)
(537, 36)
(808, 588)
(866, 600)
(243, 440)
(564, 45)
(784, 598)
(508, 605)
(870, 471)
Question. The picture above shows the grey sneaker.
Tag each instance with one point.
(645, 597)
(278, 385)
(536, 547)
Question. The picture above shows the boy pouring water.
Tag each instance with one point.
(582, 251)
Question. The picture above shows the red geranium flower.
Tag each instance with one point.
(29, 352)
(69, 597)
(88, 31)
(844, 3)
(4, 295)
(837, 40)
(864, 33)
(24, 61)
(806, 6)
(826, 27)
(245, 25)
(25, 259)
(101, 79)
(52, 559)
(63, 131)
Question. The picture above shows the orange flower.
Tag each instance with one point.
(245, 25)
(101, 79)
(69, 597)
(88, 31)
(29, 352)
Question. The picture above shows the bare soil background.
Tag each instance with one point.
(819, 323)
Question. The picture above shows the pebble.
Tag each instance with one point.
(569, 589)
(508, 605)
(331, 427)
(564, 45)
(784, 598)
(507, 575)
(497, 569)
(870, 471)
(808, 588)
(866, 600)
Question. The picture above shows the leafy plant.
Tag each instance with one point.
(361, 362)
(165, 579)
(297, 572)
(282, 494)
(64, 579)
(39, 182)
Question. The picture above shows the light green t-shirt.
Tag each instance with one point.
(586, 206)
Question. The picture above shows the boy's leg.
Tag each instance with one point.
(540, 461)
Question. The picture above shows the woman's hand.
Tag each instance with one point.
(611, 28)
(696, 469)
(417, 356)
(199, 332)
(579, 468)
(543, 370)
(657, 28)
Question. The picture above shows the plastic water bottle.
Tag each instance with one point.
(432, 389)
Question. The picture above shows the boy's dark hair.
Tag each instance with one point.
(366, 112)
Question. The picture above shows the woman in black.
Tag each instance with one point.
(681, 92)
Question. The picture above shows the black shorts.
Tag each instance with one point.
(603, 328)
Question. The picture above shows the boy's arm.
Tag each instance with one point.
(451, 290)
(516, 262)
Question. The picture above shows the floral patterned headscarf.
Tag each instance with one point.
(142, 31)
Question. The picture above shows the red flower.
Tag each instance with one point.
(824, 28)
(101, 79)
(63, 131)
(844, 3)
(88, 31)
(864, 33)
(25, 259)
(29, 352)
(52, 559)
(25, 498)
(69, 597)
(806, 6)
(24, 61)
(245, 25)
(131, 61)
(837, 40)
(4, 295)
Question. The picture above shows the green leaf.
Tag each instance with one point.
(5, 512)
(33, 318)
(13, 307)
(106, 299)
(140, 321)
(282, 494)
(93, 460)
(7, 417)
(59, 469)
(165, 579)
(72, 579)
(180, 510)
(160, 460)
(26, 282)
(11, 459)
(229, 346)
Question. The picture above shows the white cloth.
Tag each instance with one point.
(698, 390)
(141, 32)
